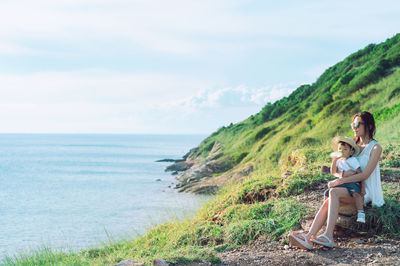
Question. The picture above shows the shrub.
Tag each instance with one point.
(395, 92)
(386, 113)
(262, 132)
(237, 158)
(321, 102)
(286, 139)
(347, 77)
(256, 190)
(309, 142)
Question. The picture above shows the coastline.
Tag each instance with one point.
(199, 175)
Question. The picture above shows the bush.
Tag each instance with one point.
(262, 132)
(256, 190)
(321, 102)
(286, 139)
(347, 78)
(395, 92)
(309, 142)
(386, 113)
(237, 158)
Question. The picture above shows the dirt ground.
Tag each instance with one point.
(348, 251)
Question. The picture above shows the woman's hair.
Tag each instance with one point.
(369, 123)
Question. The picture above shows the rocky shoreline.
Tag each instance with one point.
(204, 175)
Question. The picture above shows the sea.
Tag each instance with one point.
(75, 191)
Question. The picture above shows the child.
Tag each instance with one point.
(344, 162)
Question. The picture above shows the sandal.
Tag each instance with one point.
(298, 242)
(328, 244)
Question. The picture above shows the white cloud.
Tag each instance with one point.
(104, 101)
(238, 97)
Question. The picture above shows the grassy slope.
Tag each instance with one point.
(292, 134)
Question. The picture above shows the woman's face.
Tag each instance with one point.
(358, 127)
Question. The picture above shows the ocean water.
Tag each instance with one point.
(77, 191)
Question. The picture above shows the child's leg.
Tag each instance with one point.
(359, 201)
(359, 204)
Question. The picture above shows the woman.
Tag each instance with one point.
(364, 128)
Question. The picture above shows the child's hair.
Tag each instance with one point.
(345, 143)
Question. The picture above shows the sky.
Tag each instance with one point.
(169, 66)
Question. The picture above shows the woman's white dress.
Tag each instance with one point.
(373, 187)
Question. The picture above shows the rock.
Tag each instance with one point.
(344, 221)
(201, 170)
(216, 151)
(200, 180)
(170, 160)
(303, 169)
(325, 169)
(190, 154)
(347, 210)
(198, 175)
(129, 263)
(203, 189)
(286, 247)
(359, 241)
(179, 166)
(286, 174)
(160, 262)
(158, 179)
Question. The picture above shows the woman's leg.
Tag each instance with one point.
(336, 195)
(319, 219)
(318, 222)
(340, 197)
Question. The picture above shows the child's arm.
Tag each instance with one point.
(339, 174)
(334, 170)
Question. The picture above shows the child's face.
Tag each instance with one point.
(346, 150)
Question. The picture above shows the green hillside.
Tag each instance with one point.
(290, 136)
(301, 126)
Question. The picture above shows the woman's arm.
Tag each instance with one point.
(372, 163)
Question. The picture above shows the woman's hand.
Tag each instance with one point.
(334, 183)
(349, 173)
